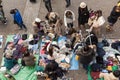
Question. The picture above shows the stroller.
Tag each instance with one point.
(3, 19)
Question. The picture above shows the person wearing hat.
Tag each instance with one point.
(48, 5)
(114, 15)
(38, 28)
(83, 14)
(18, 19)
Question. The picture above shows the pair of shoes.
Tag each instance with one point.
(108, 28)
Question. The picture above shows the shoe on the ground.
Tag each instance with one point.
(108, 28)
(67, 5)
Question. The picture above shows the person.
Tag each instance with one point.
(28, 59)
(18, 19)
(55, 22)
(86, 54)
(69, 18)
(9, 61)
(110, 76)
(48, 5)
(68, 3)
(53, 70)
(38, 28)
(83, 14)
(2, 15)
(114, 15)
(98, 22)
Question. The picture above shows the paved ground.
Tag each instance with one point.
(30, 11)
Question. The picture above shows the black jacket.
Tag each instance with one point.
(113, 15)
(86, 56)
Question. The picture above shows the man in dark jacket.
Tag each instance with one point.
(18, 19)
(114, 15)
(48, 5)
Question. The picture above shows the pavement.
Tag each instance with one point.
(30, 11)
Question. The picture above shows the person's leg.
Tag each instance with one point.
(23, 26)
(48, 6)
(20, 26)
(68, 3)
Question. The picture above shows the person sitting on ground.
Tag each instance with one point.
(9, 61)
(28, 59)
(54, 71)
(38, 28)
(110, 76)
(86, 54)
(54, 21)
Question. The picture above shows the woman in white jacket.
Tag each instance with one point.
(69, 18)
(97, 22)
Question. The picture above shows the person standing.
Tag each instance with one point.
(2, 15)
(48, 5)
(83, 14)
(18, 19)
(114, 15)
(68, 3)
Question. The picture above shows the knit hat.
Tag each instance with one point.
(83, 5)
(37, 20)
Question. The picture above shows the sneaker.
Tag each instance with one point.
(108, 28)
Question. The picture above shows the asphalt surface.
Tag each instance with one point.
(30, 11)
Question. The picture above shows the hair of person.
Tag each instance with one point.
(86, 47)
(116, 73)
(25, 54)
(50, 50)
(68, 13)
(99, 12)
